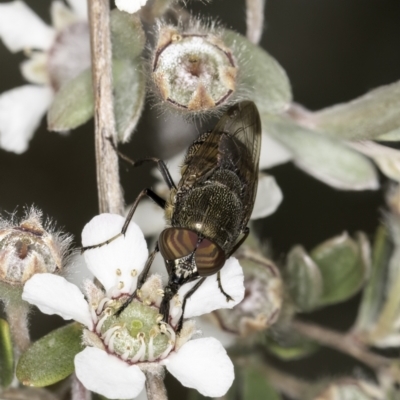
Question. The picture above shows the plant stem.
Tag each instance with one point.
(78, 391)
(17, 317)
(254, 20)
(155, 387)
(108, 185)
(344, 343)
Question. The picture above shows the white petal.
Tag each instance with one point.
(202, 364)
(77, 271)
(21, 110)
(130, 6)
(208, 297)
(21, 28)
(268, 198)
(272, 152)
(53, 294)
(113, 263)
(79, 7)
(150, 217)
(108, 375)
(210, 328)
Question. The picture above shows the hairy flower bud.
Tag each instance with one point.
(28, 247)
(193, 69)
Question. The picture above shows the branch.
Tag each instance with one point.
(344, 343)
(108, 186)
(254, 20)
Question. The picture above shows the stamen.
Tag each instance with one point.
(126, 354)
(171, 332)
(111, 342)
(118, 272)
(167, 350)
(120, 285)
(107, 334)
(103, 301)
(93, 315)
(107, 313)
(142, 350)
(151, 349)
(134, 273)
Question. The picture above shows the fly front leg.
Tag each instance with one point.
(227, 296)
(145, 192)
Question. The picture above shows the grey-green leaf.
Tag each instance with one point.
(375, 290)
(260, 75)
(6, 355)
(366, 117)
(304, 279)
(325, 158)
(344, 265)
(51, 358)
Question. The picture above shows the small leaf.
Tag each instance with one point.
(256, 385)
(51, 358)
(304, 279)
(392, 136)
(261, 75)
(322, 157)
(375, 291)
(292, 347)
(344, 266)
(6, 355)
(366, 117)
(72, 105)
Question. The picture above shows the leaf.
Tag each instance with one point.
(6, 355)
(366, 117)
(51, 358)
(256, 385)
(304, 279)
(375, 290)
(322, 157)
(260, 75)
(344, 266)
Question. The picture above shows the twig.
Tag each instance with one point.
(78, 391)
(108, 185)
(155, 387)
(17, 317)
(344, 343)
(255, 20)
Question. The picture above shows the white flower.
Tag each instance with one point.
(130, 6)
(55, 54)
(120, 348)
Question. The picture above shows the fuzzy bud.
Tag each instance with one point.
(193, 69)
(28, 248)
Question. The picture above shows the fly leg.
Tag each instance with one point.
(185, 299)
(145, 192)
(235, 247)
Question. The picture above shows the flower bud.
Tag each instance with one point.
(193, 69)
(262, 303)
(29, 247)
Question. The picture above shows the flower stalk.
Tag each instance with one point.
(155, 387)
(108, 184)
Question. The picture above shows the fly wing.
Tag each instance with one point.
(241, 149)
(234, 144)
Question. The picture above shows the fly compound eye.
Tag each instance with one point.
(209, 257)
(176, 243)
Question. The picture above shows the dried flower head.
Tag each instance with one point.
(29, 247)
(192, 68)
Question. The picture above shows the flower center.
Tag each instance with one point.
(135, 335)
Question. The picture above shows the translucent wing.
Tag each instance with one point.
(233, 144)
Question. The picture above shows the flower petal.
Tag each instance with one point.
(113, 264)
(34, 69)
(53, 294)
(208, 297)
(108, 375)
(150, 217)
(21, 110)
(61, 15)
(21, 28)
(130, 6)
(79, 7)
(268, 198)
(272, 152)
(202, 364)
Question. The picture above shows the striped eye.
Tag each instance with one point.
(176, 243)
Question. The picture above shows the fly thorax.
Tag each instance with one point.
(229, 179)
